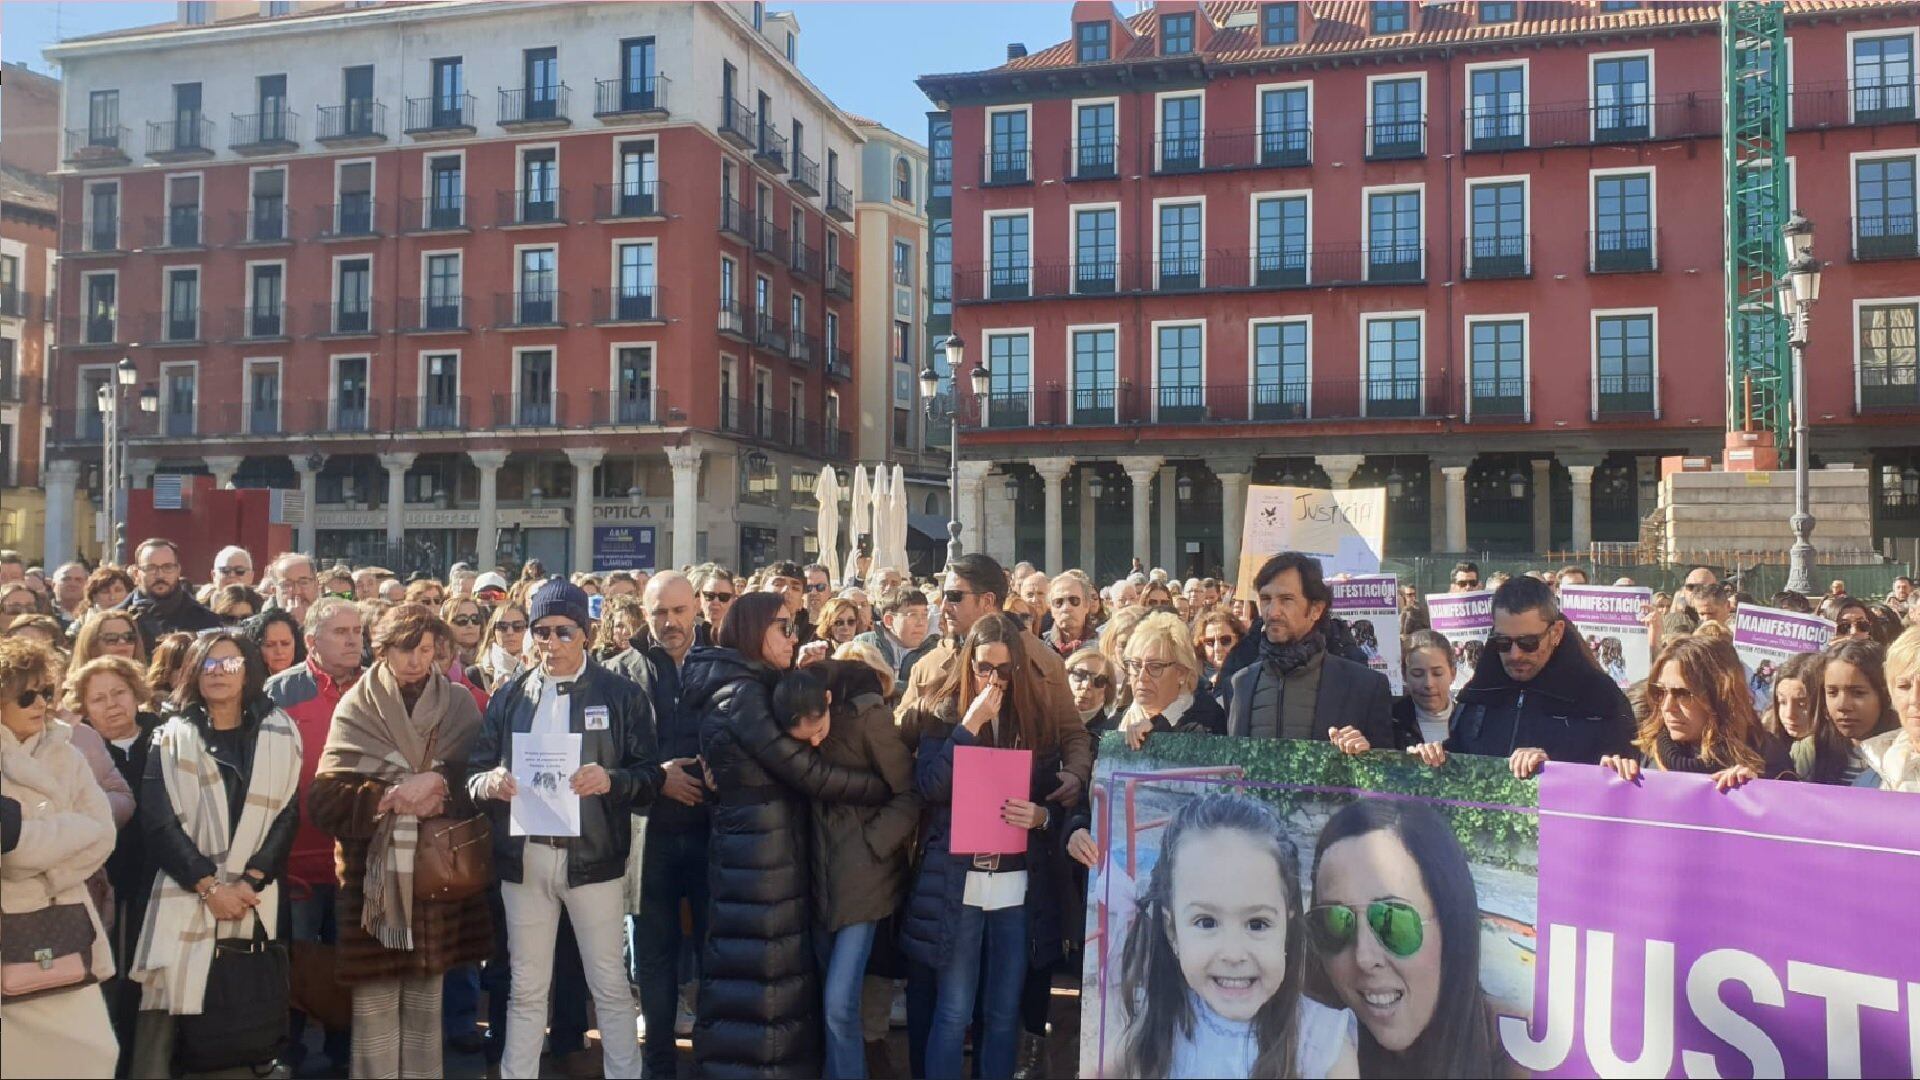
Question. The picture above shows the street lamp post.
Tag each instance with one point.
(929, 396)
(111, 398)
(1797, 296)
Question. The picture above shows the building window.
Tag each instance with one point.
(266, 311)
(1009, 362)
(1096, 250)
(182, 387)
(183, 305)
(1393, 236)
(103, 217)
(183, 211)
(637, 286)
(1092, 42)
(942, 261)
(440, 405)
(1280, 241)
(268, 220)
(639, 179)
(103, 118)
(1501, 12)
(1619, 5)
(1180, 133)
(1889, 364)
(1621, 99)
(1397, 129)
(540, 83)
(270, 102)
(353, 296)
(1280, 370)
(1093, 139)
(1007, 147)
(357, 95)
(263, 399)
(1179, 373)
(353, 199)
(449, 92)
(1497, 112)
(1007, 240)
(1279, 24)
(939, 158)
(186, 134)
(1623, 222)
(1883, 79)
(1390, 16)
(831, 332)
(350, 393)
(1884, 208)
(1498, 381)
(536, 388)
(1094, 372)
(1393, 367)
(441, 305)
(903, 181)
(1180, 260)
(633, 385)
(103, 308)
(1624, 363)
(729, 394)
(797, 319)
(446, 187)
(1285, 126)
(536, 296)
(830, 419)
(637, 84)
(1497, 245)
(903, 262)
(903, 343)
(539, 185)
(1176, 34)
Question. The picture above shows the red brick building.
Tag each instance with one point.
(1470, 252)
(572, 279)
(28, 154)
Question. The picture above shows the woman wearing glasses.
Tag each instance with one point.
(466, 622)
(1700, 719)
(840, 622)
(977, 921)
(502, 648)
(1163, 673)
(1091, 679)
(1854, 620)
(108, 633)
(759, 1002)
(1395, 927)
(1214, 636)
(218, 806)
(56, 830)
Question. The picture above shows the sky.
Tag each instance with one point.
(865, 55)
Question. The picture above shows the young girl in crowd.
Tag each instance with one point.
(1219, 930)
(1855, 685)
(1425, 713)
(1798, 716)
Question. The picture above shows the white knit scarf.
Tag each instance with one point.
(176, 943)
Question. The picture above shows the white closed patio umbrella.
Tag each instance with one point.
(827, 518)
(859, 511)
(897, 521)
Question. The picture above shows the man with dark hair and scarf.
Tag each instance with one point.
(164, 603)
(1299, 689)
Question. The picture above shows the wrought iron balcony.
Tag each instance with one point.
(532, 206)
(770, 334)
(738, 125)
(1497, 400)
(1885, 236)
(1623, 397)
(434, 213)
(107, 144)
(630, 199)
(805, 177)
(437, 313)
(803, 348)
(1396, 140)
(733, 321)
(628, 304)
(533, 308)
(535, 107)
(186, 138)
(271, 132)
(1491, 257)
(348, 318)
(1623, 251)
(637, 97)
(771, 148)
(266, 223)
(362, 120)
(351, 219)
(1009, 165)
(734, 219)
(439, 115)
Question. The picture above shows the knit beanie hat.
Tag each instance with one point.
(559, 597)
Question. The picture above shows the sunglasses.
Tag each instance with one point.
(1467, 583)
(1680, 694)
(562, 634)
(817, 587)
(1526, 643)
(1082, 675)
(850, 623)
(1220, 642)
(223, 665)
(716, 597)
(785, 626)
(954, 596)
(1398, 928)
(232, 571)
(467, 620)
(515, 626)
(1066, 601)
(1153, 668)
(110, 638)
(1854, 626)
(988, 671)
(27, 697)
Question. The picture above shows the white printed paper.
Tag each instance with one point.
(543, 768)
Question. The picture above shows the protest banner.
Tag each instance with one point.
(1464, 619)
(1610, 618)
(1345, 530)
(1764, 637)
(1370, 606)
(1673, 938)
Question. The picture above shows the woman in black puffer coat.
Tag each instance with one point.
(759, 1006)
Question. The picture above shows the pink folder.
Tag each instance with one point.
(983, 779)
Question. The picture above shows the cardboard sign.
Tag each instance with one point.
(1345, 530)
(983, 779)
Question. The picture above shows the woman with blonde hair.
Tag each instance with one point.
(1163, 672)
(1894, 756)
(869, 654)
(466, 623)
(1113, 645)
(108, 633)
(1091, 679)
(1699, 718)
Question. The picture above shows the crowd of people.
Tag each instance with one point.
(233, 814)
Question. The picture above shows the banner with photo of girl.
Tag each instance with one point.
(1766, 637)
(1464, 619)
(1370, 606)
(1612, 619)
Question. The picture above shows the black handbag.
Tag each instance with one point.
(243, 1018)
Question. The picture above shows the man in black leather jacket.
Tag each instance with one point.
(567, 693)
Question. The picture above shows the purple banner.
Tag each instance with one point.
(1760, 932)
(1370, 606)
(1785, 632)
(1591, 606)
(1368, 592)
(1447, 612)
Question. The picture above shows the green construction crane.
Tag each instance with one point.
(1753, 47)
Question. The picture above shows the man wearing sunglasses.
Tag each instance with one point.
(1070, 601)
(1466, 578)
(233, 566)
(619, 773)
(1537, 695)
(786, 578)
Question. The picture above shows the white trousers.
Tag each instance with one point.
(533, 922)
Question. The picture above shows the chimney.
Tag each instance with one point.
(1015, 51)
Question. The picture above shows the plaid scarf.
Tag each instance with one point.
(176, 942)
(374, 734)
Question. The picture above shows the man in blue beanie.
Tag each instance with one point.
(566, 692)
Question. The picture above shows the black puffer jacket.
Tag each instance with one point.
(759, 999)
(1571, 709)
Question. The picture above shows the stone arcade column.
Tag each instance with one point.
(486, 543)
(583, 459)
(223, 469)
(1140, 470)
(1233, 514)
(685, 461)
(396, 466)
(1088, 518)
(1169, 559)
(1053, 472)
(1340, 468)
(971, 514)
(62, 478)
(1456, 506)
(1542, 503)
(1582, 476)
(309, 499)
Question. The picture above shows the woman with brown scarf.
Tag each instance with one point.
(397, 755)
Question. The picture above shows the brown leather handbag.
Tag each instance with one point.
(453, 859)
(46, 951)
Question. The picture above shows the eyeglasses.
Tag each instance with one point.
(1153, 668)
(223, 665)
(1066, 601)
(1680, 694)
(984, 671)
(954, 596)
(161, 568)
(849, 623)
(514, 626)
(818, 586)
(112, 638)
(1526, 643)
(467, 620)
(1083, 675)
(1396, 925)
(1222, 642)
(785, 626)
(234, 571)
(1466, 583)
(562, 634)
(27, 697)
(1854, 626)
(716, 597)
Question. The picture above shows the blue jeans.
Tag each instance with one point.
(989, 962)
(460, 1001)
(673, 867)
(845, 964)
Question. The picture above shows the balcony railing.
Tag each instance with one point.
(357, 413)
(1283, 266)
(271, 223)
(840, 363)
(840, 282)
(1889, 388)
(1262, 400)
(1491, 257)
(770, 334)
(803, 348)
(1396, 263)
(1006, 166)
(733, 320)
(738, 125)
(434, 213)
(1885, 236)
(532, 206)
(771, 147)
(1624, 396)
(630, 199)
(1845, 103)
(839, 202)
(351, 219)
(804, 259)
(436, 313)
(531, 411)
(15, 302)
(359, 120)
(104, 145)
(1623, 251)
(805, 177)
(180, 139)
(542, 307)
(628, 304)
(734, 219)
(89, 330)
(1396, 140)
(1495, 128)
(769, 239)
(636, 96)
(264, 132)
(1677, 116)
(432, 413)
(179, 227)
(1497, 400)
(261, 322)
(101, 235)
(1179, 153)
(347, 318)
(535, 106)
(440, 115)
(1094, 159)
(639, 405)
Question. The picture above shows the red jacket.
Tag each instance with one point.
(309, 695)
